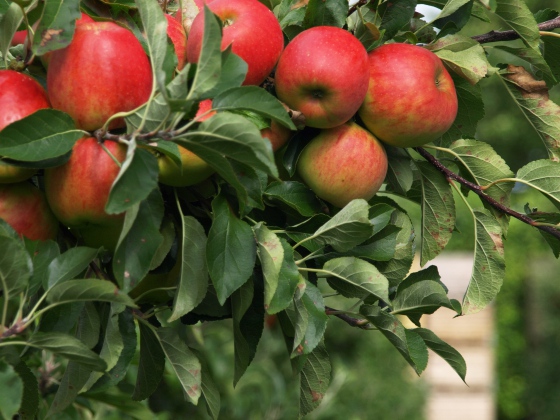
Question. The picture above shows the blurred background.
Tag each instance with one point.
(511, 348)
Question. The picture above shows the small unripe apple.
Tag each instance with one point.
(78, 191)
(411, 98)
(323, 73)
(103, 71)
(20, 96)
(24, 207)
(252, 30)
(343, 163)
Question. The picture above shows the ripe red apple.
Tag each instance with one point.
(103, 71)
(24, 207)
(323, 72)
(20, 96)
(343, 163)
(411, 99)
(178, 36)
(252, 30)
(78, 190)
(18, 38)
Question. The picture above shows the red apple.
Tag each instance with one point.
(20, 96)
(252, 30)
(18, 38)
(78, 190)
(343, 163)
(323, 72)
(411, 99)
(277, 134)
(24, 207)
(178, 36)
(103, 71)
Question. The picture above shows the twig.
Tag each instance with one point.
(495, 36)
(355, 7)
(353, 322)
(477, 189)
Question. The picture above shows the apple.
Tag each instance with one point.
(24, 207)
(103, 71)
(20, 96)
(343, 163)
(252, 30)
(411, 98)
(78, 190)
(323, 73)
(178, 36)
(18, 38)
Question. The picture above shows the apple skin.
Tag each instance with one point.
(323, 72)
(78, 190)
(343, 163)
(411, 98)
(18, 38)
(178, 36)
(277, 134)
(103, 71)
(20, 96)
(251, 28)
(24, 207)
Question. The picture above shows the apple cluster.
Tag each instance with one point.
(402, 94)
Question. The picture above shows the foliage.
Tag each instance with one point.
(256, 241)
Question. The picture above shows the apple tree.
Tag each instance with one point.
(141, 256)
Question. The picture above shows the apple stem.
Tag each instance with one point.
(478, 190)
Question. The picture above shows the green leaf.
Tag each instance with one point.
(15, 267)
(271, 256)
(151, 364)
(534, 58)
(454, 15)
(532, 99)
(12, 391)
(325, 13)
(61, 318)
(421, 293)
(444, 350)
(155, 27)
(484, 165)
(56, 27)
(399, 265)
(311, 320)
(193, 283)
(409, 344)
(288, 280)
(438, 212)
(74, 378)
(67, 266)
(84, 290)
(43, 253)
(89, 325)
(489, 266)
(449, 7)
(30, 400)
(470, 112)
(400, 175)
(127, 330)
(315, 378)
(355, 278)
(230, 251)
(293, 195)
(471, 64)
(209, 67)
(136, 250)
(395, 15)
(515, 14)
(9, 24)
(551, 53)
(544, 176)
(253, 98)
(45, 134)
(247, 307)
(348, 228)
(69, 347)
(137, 177)
(210, 389)
(183, 362)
